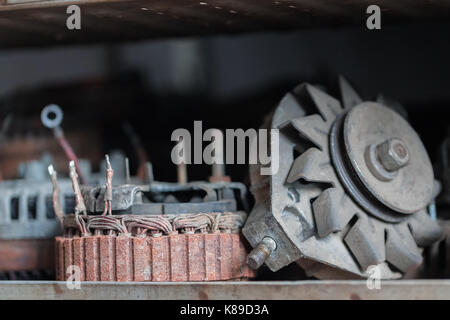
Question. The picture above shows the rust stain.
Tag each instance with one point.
(57, 289)
(354, 296)
(203, 295)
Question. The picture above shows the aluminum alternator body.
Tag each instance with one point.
(351, 192)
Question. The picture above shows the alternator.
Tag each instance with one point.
(351, 192)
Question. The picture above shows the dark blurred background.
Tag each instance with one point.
(225, 81)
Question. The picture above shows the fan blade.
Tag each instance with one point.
(424, 230)
(313, 128)
(349, 96)
(366, 242)
(401, 249)
(313, 166)
(328, 106)
(333, 210)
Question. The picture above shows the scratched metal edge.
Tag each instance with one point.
(34, 4)
(42, 23)
(51, 4)
(242, 290)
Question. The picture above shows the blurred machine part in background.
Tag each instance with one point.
(28, 223)
(27, 219)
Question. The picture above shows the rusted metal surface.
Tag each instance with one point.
(217, 197)
(177, 257)
(44, 22)
(57, 208)
(31, 254)
(181, 247)
(108, 197)
(243, 290)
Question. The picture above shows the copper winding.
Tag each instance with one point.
(80, 207)
(106, 223)
(81, 224)
(162, 224)
(59, 134)
(108, 187)
(156, 223)
(196, 222)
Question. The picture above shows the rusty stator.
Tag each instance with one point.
(351, 192)
(155, 232)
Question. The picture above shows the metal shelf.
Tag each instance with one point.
(28, 22)
(283, 290)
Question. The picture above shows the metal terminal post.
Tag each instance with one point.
(261, 252)
(182, 173)
(108, 187)
(80, 207)
(51, 117)
(55, 194)
(150, 176)
(127, 171)
(182, 176)
(138, 147)
(218, 166)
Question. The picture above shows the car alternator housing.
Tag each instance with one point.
(351, 192)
